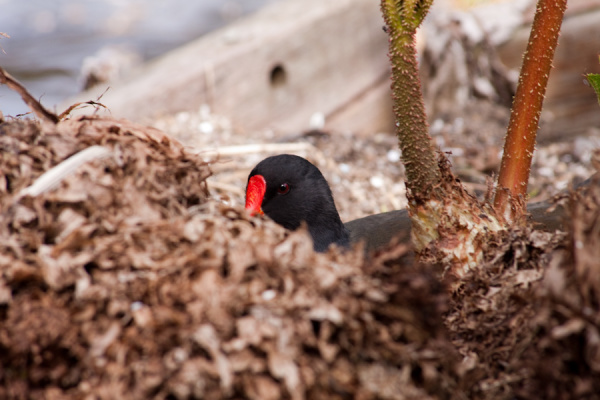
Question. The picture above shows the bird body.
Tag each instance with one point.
(290, 190)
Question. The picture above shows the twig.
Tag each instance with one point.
(226, 187)
(54, 176)
(257, 148)
(2, 34)
(33, 104)
(65, 113)
(96, 103)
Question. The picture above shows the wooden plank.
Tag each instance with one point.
(272, 70)
(332, 60)
(370, 112)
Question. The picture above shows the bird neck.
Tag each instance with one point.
(326, 227)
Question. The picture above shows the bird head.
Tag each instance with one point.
(290, 190)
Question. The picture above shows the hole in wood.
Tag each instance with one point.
(277, 76)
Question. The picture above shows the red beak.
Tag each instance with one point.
(257, 186)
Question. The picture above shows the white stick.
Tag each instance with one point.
(226, 187)
(257, 148)
(52, 178)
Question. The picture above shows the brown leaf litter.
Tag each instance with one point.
(128, 280)
(527, 323)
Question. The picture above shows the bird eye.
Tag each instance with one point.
(284, 188)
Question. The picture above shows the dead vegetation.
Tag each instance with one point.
(128, 280)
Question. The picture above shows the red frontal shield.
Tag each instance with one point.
(255, 193)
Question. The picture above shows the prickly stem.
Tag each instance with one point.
(527, 107)
(418, 151)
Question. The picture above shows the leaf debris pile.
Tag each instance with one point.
(527, 323)
(565, 357)
(128, 281)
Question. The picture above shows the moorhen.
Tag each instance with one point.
(290, 190)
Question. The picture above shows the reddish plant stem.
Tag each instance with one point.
(527, 107)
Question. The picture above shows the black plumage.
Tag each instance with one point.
(296, 191)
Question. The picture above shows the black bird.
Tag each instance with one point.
(290, 190)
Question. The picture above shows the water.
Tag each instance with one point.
(50, 39)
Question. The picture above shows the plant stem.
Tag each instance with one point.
(418, 152)
(527, 107)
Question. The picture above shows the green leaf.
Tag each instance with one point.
(594, 80)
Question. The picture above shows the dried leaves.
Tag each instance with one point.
(567, 347)
(127, 280)
(528, 322)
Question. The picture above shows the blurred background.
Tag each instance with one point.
(50, 40)
(309, 77)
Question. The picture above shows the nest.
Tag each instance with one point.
(127, 279)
